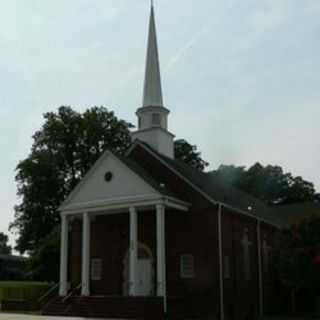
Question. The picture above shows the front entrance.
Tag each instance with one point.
(145, 272)
(144, 277)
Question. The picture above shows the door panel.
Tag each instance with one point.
(144, 277)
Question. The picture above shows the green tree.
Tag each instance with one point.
(269, 183)
(63, 150)
(189, 154)
(297, 259)
(4, 246)
(44, 262)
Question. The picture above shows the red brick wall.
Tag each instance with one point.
(186, 234)
(194, 232)
(271, 286)
(240, 294)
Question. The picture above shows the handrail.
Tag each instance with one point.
(71, 292)
(48, 292)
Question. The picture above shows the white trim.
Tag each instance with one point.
(115, 202)
(63, 285)
(77, 188)
(204, 194)
(151, 129)
(85, 277)
(125, 202)
(220, 263)
(161, 254)
(133, 250)
(260, 269)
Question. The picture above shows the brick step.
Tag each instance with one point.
(115, 307)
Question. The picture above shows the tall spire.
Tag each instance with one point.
(153, 116)
(152, 93)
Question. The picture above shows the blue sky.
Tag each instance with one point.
(241, 78)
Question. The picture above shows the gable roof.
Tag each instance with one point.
(296, 212)
(215, 189)
(140, 171)
(145, 180)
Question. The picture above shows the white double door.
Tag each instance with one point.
(144, 277)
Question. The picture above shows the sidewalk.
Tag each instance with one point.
(13, 316)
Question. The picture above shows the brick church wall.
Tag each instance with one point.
(194, 232)
(241, 294)
(271, 286)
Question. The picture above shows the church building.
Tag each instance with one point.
(145, 236)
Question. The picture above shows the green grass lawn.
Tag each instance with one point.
(22, 290)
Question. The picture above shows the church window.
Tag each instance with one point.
(108, 176)
(187, 266)
(156, 121)
(96, 269)
(226, 267)
(139, 123)
(266, 255)
(246, 255)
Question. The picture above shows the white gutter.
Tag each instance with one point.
(260, 269)
(220, 262)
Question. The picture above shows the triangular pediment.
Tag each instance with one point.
(110, 179)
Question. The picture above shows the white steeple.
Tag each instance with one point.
(152, 93)
(153, 116)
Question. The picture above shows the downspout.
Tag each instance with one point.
(260, 268)
(220, 261)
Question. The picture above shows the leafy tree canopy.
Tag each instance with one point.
(269, 183)
(63, 150)
(4, 247)
(44, 262)
(297, 258)
(189, 154)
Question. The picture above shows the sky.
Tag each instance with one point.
(241, 78)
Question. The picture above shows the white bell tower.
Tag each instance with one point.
(153, 116)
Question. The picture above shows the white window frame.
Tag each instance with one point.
(187, 266)
(156, 119)
(96, 269)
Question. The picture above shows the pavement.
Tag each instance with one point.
(13, 316)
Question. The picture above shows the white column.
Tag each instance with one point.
(220, 262)
(133, 252)
(63, 285)
(161, 254)
(260, 268)
(85, 283)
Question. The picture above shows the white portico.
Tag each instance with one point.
(111, 187)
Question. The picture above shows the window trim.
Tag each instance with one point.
(156, 116)
(96, 269)
(187, 269)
